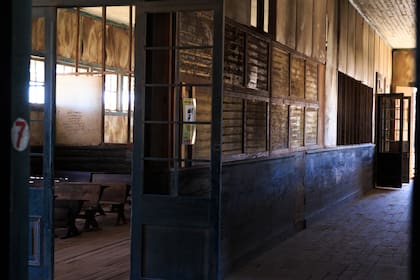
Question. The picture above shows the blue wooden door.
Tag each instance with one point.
(177, 140)
(41, 232)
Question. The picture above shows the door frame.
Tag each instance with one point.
(209, 208)
(41, 228)
(216, 127)
(388, 171)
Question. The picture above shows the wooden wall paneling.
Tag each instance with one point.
(331, 77)
(403, 65)
(38, 34)
(297, 126)
(319, 30)
(280, 78)
(297, 77)
(311, 126)
(371, 58)
(348, 116)
(351, 42)
(67, 33)
(345, 103)
(340, 110)
(365, 56)
(382, 62)
(256, 126)
(358, 40)
(232, 126)
(112, 129)
(239, 10)
(376, 50)
(357, 112)
(234, 60)
(311, 81)
(195, 29)
(257, 68)
(321, 100)
(279, 131)
(117, 47)
(381, 56)
(362, 108)
(286, 23)
(201, 148)
(343, 34)
(369, 105)
(304, 17)
(368, 114)
(91, 40)
(389, 64)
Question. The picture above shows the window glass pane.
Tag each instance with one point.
(196, 28)
(111, 92)
(254, 13)
(127, 92)
(200, 148)
(266, 14)
(36, 82)
(195, 65)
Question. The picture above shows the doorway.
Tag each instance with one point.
(394, 140)
(81, 94)
(412, 93)
(170, 217)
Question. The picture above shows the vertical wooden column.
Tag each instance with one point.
(16, 15)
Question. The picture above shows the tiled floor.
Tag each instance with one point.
(367, 238)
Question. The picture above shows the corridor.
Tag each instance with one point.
(367, 238)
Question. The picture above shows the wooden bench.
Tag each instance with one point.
(74, 200)
(115, 193)
(73, 175)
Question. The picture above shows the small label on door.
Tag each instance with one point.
(20, 134)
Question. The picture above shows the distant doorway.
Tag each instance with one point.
(410, 92)
(393, 139)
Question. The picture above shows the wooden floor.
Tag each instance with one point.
(95, 255)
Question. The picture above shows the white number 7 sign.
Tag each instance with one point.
(20, 134)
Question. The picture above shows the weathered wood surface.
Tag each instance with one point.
(97, 255)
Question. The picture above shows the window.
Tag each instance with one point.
(36, 81)
(118, 89)
(354, 112)
(261, 14)
(267, 109)
(118, 94)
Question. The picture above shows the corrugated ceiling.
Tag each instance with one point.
(394, 20)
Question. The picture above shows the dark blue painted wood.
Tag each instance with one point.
(41, 261)
(174, 237)
(16, 17)
(269, 200)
